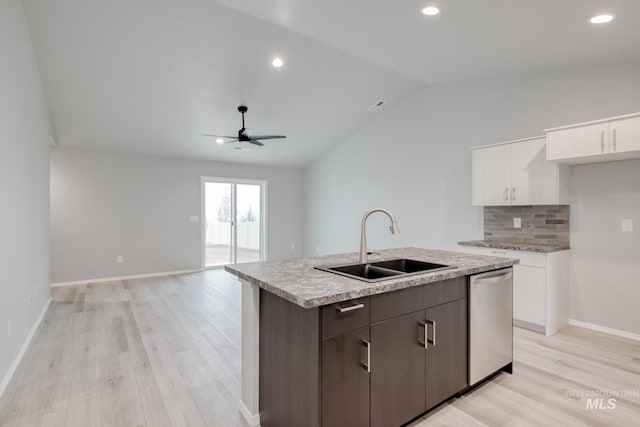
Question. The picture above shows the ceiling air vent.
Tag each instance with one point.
(375, 107)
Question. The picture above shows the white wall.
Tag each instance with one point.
(24, 187)
(415, 160)
(105, 204)
(605, 288)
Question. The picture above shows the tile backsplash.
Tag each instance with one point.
(540, 224)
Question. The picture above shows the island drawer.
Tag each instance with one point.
(344, 316)
(393, 304)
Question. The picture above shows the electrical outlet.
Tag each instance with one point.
(194, 219)
(317, 248)
(9, 327)
(119, 259)
(293, 246)
(627, 225)
(517, 222)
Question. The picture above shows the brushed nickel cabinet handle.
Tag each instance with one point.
(433, 326)
(367, 364)
(506, 194)
(602, 141)
(513, 194)
(350, 308)
(614, 140)
(426, 335)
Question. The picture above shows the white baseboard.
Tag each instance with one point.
(111, 279)
(23, 349)
(251, 419)
(606, 330)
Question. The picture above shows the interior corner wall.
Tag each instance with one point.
(24, 188)
(105, 204)
(415, 160)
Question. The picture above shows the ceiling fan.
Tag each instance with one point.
(244, 134)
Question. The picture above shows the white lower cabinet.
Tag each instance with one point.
(540, 287)
(529, 294)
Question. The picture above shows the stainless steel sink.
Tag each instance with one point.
(384, 270)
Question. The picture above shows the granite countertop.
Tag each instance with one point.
(517, 246)
(297, 280)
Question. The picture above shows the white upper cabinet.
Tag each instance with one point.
(516, 173)
(599, 141)
(625, 135)
(582, 141)
(534, 181)
(491, 175)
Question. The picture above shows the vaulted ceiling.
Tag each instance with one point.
(149, 76)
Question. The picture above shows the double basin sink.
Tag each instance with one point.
(384, 270)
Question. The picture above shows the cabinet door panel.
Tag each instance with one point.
(580, 141)
(398, 363)
(345, 381)
(625, 135)
(491, 175)
(447, 358)
(534, 180)
(529, 294)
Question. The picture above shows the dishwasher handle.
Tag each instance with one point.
(493, 278)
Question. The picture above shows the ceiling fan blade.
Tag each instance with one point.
(219, 136)
(254, 137)
(258, 143)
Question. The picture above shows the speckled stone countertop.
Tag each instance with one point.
(297, 280)
(516, 246)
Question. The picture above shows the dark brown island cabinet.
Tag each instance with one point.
(377, 361)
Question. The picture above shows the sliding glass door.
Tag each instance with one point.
(233, 230)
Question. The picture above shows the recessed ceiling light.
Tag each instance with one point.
(277, 62)
(220, 141)
(431, 10)
(601, 19)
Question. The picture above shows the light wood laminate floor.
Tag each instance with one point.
(165, 352)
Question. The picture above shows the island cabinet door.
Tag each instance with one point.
(345, 379)
(446, 351)
(397, 370)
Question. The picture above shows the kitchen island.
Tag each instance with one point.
(320, 349)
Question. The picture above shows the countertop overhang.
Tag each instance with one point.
(297, 281)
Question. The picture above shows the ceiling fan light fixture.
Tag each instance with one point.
(219, 141)
(277, 62)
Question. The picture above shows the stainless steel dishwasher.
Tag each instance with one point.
(490, 324)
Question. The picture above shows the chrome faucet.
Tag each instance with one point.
(363, 231)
